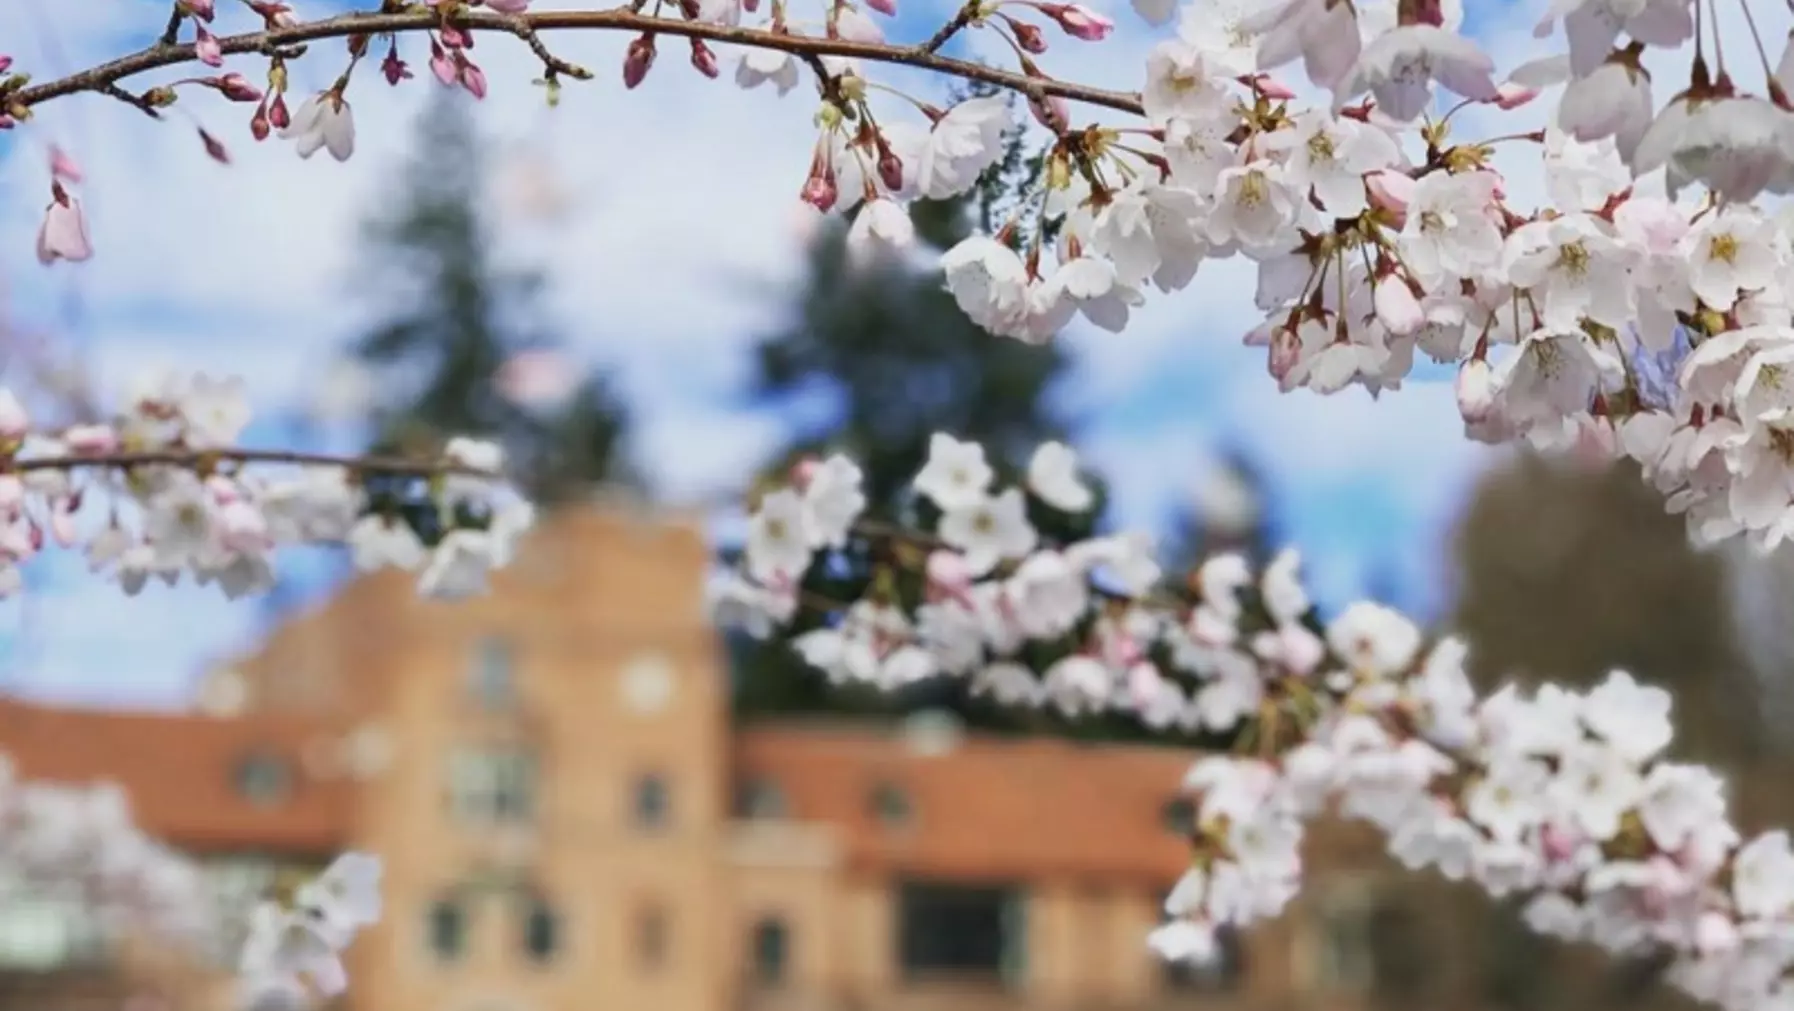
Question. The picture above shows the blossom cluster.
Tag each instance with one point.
(164, 489)
(79, 843)
(1566, 798)
(292, 956)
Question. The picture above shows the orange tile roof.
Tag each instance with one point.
(990, 808)
(179, 771)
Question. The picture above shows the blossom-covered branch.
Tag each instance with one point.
(164, 489)
(1563, 797)
(528, 25)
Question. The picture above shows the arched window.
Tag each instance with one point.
(890, 805)
(771, 951)
(652, 804)
(448, 928)
(541, 929)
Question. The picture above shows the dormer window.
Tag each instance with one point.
(263, 779)
(891, 805)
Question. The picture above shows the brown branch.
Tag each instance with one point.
(950, 29)
(197, 457)
(524, 26)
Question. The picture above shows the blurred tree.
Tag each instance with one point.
(462, 344)
(1225, 511)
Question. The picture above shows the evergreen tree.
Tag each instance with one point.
(457, 317)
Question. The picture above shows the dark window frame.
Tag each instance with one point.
(769, 946)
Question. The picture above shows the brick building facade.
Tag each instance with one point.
(571, 823)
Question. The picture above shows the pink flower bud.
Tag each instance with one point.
(1390, 191)
(258, 124)
(1286, 351)
(820, 192)
(237, 88)
(803, 470)
(473, 79)
(638, 60)
(1396, 307)
(1053, 113)
(5, 63)
(886, 7)
(1512, 96)
(6, 122)
(1269, 88)
(1476, 390)
(214, 147)
(455, 38)
(91, 439)
(1079, 22)
(63, 167)
(393, 68)
(949, 574)
(14, 422)
(207, 48)
(63, 234)
(890, 169)
(703, 59)
(442, 66)
(1029, 37)
(278, 115)
(201, 9)
(508, 6)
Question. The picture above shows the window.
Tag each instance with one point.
(890, 805)
(652, 805)
(760, 798)
(651, 941)
(960, 931)
(1179, 816)
(448, 928)
(541, 929)
(489, 676)
(492, 784)
(771, 950)
(263, 779)
(1221, 975)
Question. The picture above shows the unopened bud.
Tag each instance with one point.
(703, 59)
(1396, 307)
(393, 68)
(278, 115)
(358, 45)
(1513, 96)
(1051, 113)
(1079, 22)
(890, 169)
(473, 79)
(160, 97)
(1390, 192)
(1029, 37)
(201, 9)
(237, 88)
(5, 63)
(820, 191)
(442, 66)
(455, 38)
(1476, 390)
(638, 60)
(214, 147)
(206, 48)
(1270, 88)
(886, 7)
(258, 124)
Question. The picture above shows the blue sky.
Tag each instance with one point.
(249, 269)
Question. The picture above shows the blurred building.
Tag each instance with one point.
(570, 822)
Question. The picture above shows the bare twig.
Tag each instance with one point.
(950, 29)
(525, 26)
(199, 457)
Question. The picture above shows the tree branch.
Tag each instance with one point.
(195, 457)
(525, 26)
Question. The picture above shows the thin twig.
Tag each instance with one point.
(950, 29)
(134, 101)
(197, 457)
(172, 33)
(613, 19)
